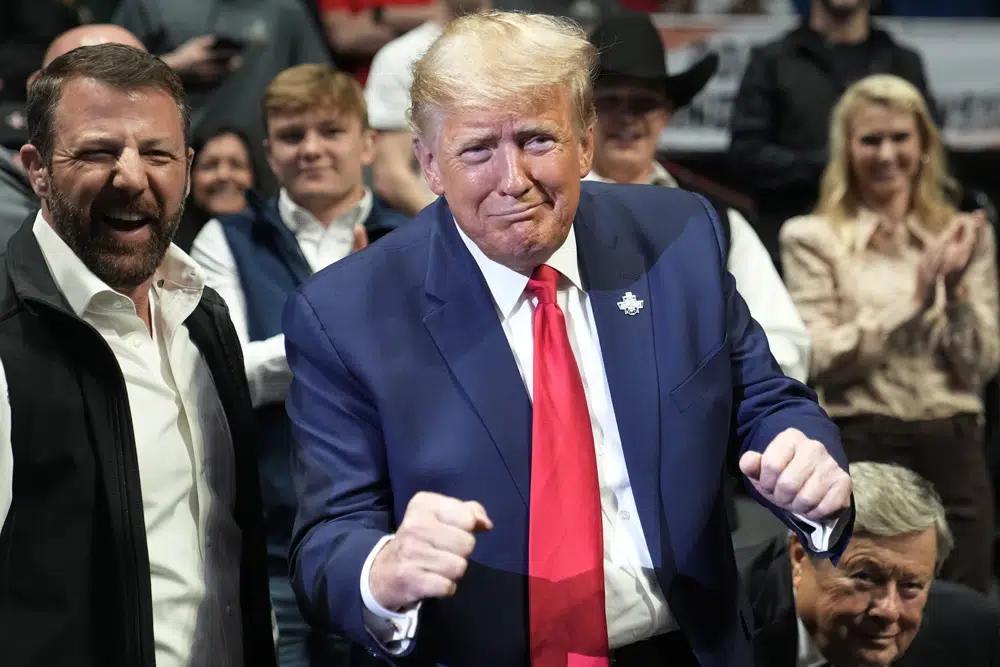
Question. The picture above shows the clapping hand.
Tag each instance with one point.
(949, 257)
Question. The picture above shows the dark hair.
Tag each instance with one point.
(195, 216)
(116, 65)
(203, 138)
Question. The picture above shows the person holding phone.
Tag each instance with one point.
(226, 52)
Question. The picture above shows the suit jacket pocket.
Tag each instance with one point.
(710, 380)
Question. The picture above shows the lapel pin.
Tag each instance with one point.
(629, 304)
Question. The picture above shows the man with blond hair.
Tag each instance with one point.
(395, 174)
(318, 142)
(513, 417)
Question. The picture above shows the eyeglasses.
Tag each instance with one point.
(635, 104)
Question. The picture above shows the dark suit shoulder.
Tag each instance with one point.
(960, 627)
(652, 217)
(950, 604)
(644, 197)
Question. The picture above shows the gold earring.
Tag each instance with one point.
(925, 158)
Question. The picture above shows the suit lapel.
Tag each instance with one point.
(467, 331)
(611, 267)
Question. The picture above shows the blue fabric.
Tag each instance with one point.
(271, 266)
(923, 8)
(940, 9)
(404, 382)
(298, 644)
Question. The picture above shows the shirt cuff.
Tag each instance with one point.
(268, 375)
(394, 631)
(823, 534)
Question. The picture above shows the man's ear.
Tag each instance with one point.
(190, 163)
(428, 164)
(799, 558)
(269, 155)
(37, 170)
(587, 152)
(368, 139)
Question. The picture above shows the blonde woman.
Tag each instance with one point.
(899, 293)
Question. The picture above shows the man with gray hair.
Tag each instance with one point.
(513, 415)
(881, 605)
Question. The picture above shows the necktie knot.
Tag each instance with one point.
(543, 283)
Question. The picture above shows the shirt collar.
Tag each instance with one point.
(297, 218)
(507, 285)
(80, 286)
(868, 222)
(660, 176)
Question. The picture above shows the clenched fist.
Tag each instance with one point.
(798, 475)
(428, 554)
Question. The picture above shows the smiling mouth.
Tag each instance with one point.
(128, 227)
(125, 220)
(518, 213)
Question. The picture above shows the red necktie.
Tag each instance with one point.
(567, 618)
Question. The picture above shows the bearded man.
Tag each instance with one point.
(134, 536)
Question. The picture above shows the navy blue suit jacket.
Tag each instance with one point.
(404, 381)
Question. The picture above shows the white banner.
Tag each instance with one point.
(962, 60)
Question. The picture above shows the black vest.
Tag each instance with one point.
(74, 569)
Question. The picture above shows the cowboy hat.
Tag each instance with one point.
(628, 44)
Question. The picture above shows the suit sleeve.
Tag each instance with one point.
(761, 160)
(340, 474)
(766, 402)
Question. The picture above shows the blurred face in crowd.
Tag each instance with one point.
(221, 174)
(512, 180)
(885, 148)
(843, 9)
(631, 116)
(318, 154)
(867, 610)
(114, 188)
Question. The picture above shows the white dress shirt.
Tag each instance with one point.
(760, 285)
(321, 244)
(184, 452)
(636, 607)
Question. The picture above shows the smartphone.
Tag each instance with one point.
(225, 43)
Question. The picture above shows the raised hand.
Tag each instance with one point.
(963, 238)
(798, 475)
(429, 552)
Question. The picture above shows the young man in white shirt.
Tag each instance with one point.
(395, 175)
(635, 98)
(318, 141)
